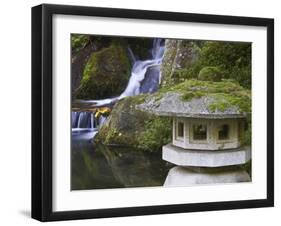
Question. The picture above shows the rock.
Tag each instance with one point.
(127, 126)
(83, 47)
(179, 54)
(151, 80)
(105, 74)
(181, 176)
(171, 104)
(205, 158)
(124, 123)
(167, 67)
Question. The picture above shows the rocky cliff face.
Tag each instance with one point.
(179, 55)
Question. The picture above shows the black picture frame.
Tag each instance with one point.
(42, 107)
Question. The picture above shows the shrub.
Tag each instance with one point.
(210, 74)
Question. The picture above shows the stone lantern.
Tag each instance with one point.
(206, 146)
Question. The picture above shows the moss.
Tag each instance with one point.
(79, 41)
(210, 74)
(106, 73)
(223, 101)
(191, 94)
(226, 93)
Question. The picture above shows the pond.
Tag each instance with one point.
(100, 166)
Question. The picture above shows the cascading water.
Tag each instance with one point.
(140, 80)
(145, 78)
(82, 120)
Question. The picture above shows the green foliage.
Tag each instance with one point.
(233, 58)
(218, 60)
(79, 41)
(210, 74)
(242, 75)
(157, 132)
(180, 75)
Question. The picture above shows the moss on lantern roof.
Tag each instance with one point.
(202, 99)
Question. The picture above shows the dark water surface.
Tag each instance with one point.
(113, 167)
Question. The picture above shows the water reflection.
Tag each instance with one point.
(114, 167)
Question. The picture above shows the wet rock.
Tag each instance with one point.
(105, 74)
(124, 123)
(128, 126)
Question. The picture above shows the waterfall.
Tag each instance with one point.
(141, 73)
(145, 78)
(84, 121)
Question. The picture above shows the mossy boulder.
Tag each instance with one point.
(105, 74)
(127, 126)
(214, 74)
(82, 47)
